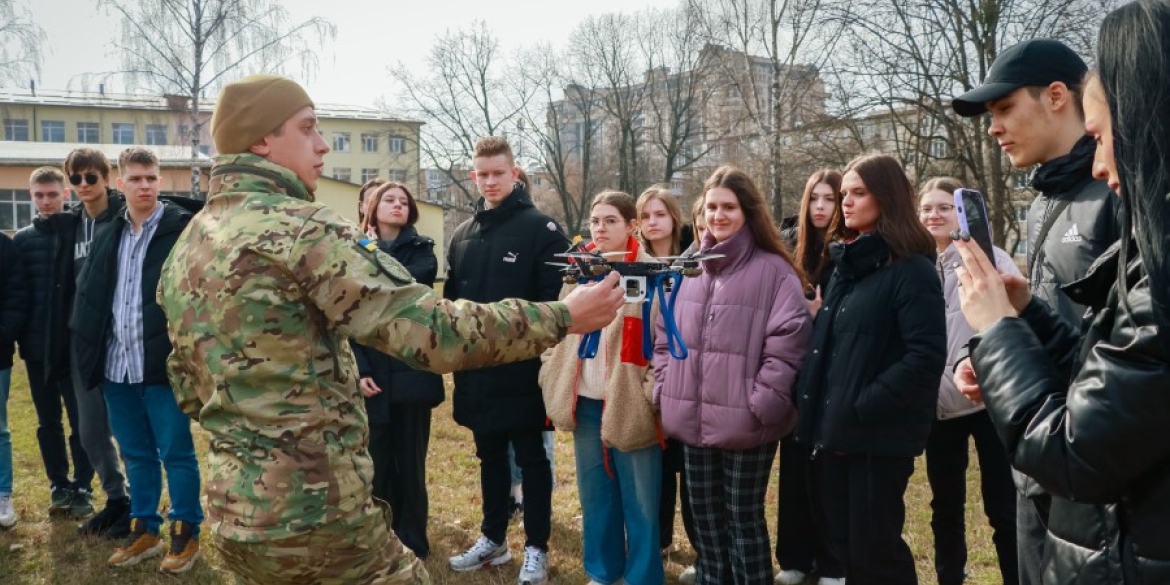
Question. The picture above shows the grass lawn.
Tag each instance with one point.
(39, 551)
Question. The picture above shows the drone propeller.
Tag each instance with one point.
(595, 255)
(701, 257)
(561, 264)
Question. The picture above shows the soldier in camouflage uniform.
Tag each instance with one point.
(261, 292)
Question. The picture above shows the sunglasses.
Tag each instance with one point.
(90, 179)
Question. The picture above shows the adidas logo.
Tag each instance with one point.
(1072, 236)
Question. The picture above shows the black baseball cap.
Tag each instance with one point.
(1038, 62)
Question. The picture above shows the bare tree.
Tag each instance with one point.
(190, 47)
(907, 60)
(20, 44)
(796, 42)
(563, 123)
(470, 90)
(608, 64)
(680, 84)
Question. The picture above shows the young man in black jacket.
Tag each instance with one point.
(50, 386)
(501, 253)
(1033, 93)
(13, 308)
(121, 343)
(88, 171)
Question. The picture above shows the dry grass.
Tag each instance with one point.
(41, 551)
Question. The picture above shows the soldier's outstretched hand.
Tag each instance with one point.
(593, 306)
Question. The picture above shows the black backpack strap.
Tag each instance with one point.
(1049, 219)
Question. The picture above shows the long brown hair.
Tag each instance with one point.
(663, 194)
(375, 199)
(897, 222)
(812, 249)
(757, 215)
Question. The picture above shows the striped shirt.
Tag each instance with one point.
(126, 352)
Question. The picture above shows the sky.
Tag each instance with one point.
(371, 36)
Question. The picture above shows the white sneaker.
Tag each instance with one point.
(484, 553)
(831, 581)
(7, 512)
(535, 569)
(687, 577)
(790, 577)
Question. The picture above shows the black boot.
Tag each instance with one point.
(112, 522)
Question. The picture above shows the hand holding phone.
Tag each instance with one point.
(973, 219)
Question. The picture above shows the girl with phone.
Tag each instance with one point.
(960, 420)
(1086, 415)
(869, 389)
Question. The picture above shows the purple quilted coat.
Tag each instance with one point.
(747, 328)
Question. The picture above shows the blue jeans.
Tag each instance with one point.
(153, 434)
(5, 435)
(620, 510)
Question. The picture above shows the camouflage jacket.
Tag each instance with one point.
(261, 292)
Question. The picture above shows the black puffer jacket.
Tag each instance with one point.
(92, 307)
(13, 300)
(35, 246)
(1102, 440)
(1079, 235)
(870, 382)
(400, 383)
(498, 254)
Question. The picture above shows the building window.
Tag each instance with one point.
(1021, 212)
(397, 144)
(938, 148)
(16, 130)
(369, 174)
(341, 142)
(156, 134)
(369, 142)
(123, 133)
(87, 132)
(16, 209)
(342, 174)
(52, 131)
(397, 175)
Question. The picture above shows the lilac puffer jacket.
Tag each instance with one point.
(747, 328)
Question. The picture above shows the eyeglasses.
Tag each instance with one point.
(941, 209)
(90, 179)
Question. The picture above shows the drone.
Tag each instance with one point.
(640, 281)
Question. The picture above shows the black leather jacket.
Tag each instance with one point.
(1102, 439)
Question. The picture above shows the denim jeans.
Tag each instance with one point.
(153, 434)
(620, 509)
(5, 435)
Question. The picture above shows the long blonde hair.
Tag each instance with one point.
(663, 194)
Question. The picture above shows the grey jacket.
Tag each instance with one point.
(951, 402)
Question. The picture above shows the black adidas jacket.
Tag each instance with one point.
(1084, 230)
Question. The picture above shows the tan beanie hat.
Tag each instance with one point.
(251, 108)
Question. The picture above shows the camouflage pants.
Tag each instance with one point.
(362, 551)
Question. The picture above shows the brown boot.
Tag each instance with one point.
(139, 546)
(184, 549)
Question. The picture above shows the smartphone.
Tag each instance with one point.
(972, 211)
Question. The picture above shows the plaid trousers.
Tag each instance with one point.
(727, 491)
